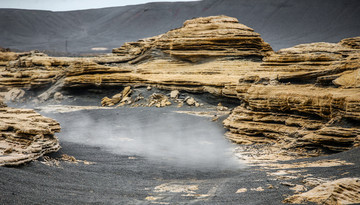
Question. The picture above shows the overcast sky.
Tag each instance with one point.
(66, 5)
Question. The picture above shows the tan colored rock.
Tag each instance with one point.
(291, 102)
(220, 107)
(174, 94)
(118, 98)
(349, 80)
(341, 191)
(190, 101)
(351, 42)
(25, 136)
(159, 100)
(58, 96)
(107, 102)
(14, 95)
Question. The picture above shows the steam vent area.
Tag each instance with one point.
(207, 113)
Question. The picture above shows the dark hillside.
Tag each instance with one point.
(282, 23)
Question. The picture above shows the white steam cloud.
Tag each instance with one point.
(177, 139)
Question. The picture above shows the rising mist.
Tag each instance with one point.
(158, 135)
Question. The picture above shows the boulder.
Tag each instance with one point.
(14, 95)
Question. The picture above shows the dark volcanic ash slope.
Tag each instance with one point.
(282, 23)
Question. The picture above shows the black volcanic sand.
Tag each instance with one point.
(121, 177)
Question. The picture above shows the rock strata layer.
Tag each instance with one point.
(201, 38)
(341, 191)
(25, 135)
(304, 98)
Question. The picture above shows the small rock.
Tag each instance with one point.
(242, 190)
(126, 92)
(106, 102)
(190, 101)
(257, 189)
(159, 100)
(14, 95)
(123, 98)
(220, 107)
(116, 98)
(174, 94)
(180, 104)
(126, 100)
(58, 96)
(68, 158)
(139, 97)
(149, 88)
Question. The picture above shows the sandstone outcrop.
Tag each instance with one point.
(30, 70)
(167, 61)
(25, 136)
(201, 38)
(304, 98)
(341, 191)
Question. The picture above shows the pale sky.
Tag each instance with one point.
(66, 5)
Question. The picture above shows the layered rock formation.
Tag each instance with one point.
(163, 61)
(341, 191)
(303, 100)
(30, 70)
(301, 97)
(168, 61)
(201, 38)
(25, 135)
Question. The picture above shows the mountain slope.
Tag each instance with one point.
(282, 23)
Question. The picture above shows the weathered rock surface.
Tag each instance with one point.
(25, 135)
(121, 97)
(341, 191)
(30, 70)
(201, 38)
(305, 99)
(167, 61)
(163, 61)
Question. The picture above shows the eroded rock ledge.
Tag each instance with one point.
(305, 99)
(25, 135)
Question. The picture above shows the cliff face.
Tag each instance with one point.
(303, 100)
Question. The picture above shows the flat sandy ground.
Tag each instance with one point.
(151, 155)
